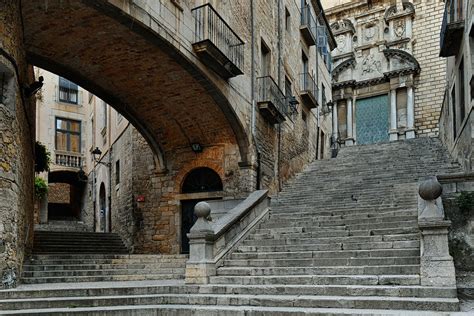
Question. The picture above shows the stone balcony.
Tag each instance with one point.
(271, 100)
(308, 26)
(68, 159)
(452, 28)
(216, 44)
(308, 90)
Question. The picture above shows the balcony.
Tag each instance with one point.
(308, 26)
(308, 90)
(270, 100)
(452, 28)
(216, 44)
(68, 159)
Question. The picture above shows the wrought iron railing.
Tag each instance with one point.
(68, 95)
(453, 13)
(209, 25)
(308, 84)
(268, 91)
(308, 20)
(68, 159)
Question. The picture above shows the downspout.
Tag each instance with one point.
(254, 105)
(317, 83)
(109, 215)
(279, 82)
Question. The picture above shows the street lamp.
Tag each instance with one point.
(97, 159)
(327, 108)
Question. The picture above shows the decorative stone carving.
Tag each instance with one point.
(392, 12)
(371, 65)
(343, 26)
(341, 43)
(344, 65)
(430, 204)
(401, 62)
(370, 32)
(399, 28)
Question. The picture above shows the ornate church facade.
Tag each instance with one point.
(388, 79)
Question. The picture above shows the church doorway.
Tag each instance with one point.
(372, 120)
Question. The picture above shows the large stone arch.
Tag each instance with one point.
(133, 68)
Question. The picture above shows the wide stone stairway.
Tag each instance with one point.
(341, 239)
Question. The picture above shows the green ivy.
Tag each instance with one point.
(41, 188)
(465, 202)
(42, 158)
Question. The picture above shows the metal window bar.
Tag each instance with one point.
(307, 19)
(308, 83)
(209, 25)
(455, 11)
(268, 91)
(68, 95)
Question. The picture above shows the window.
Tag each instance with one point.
(290, 110)
(265, 52)
(304, 60)
(104, 112)
(462, 106)
(3, 86)
(453, 105)
(323, 95)
(68, 91)
(287, 20)
(117, 172)
(68, 135)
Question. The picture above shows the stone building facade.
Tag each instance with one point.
(206, 108)
(388, 79)
(457, 45)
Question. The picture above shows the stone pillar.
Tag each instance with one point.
(436, 266)
(201, 263)
(17, 127)
(350, 134)
(410, 131)
(43, 209)
(393, 115)
(335, 127)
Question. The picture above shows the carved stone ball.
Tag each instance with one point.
(202, 209)
(430, 189)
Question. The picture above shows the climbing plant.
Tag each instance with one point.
(41, 188)
(42, 157)
(465, 202)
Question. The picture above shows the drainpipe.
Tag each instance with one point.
(279, 82)
(109, 213)
(317, 83)
(252, 80)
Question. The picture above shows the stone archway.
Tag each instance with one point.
(142, 75)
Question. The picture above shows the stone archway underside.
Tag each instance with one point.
(132, 68)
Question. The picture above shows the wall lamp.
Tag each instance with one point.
(196, 147)
(33, 88)
(327, 108)
(97, 153)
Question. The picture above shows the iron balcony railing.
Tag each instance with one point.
(68, 95)
(268, 91)
(308, 20)
(68, 159)
(307, 84)
(452, 18)
(209, 25)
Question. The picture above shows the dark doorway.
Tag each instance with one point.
(102, 208)
(64, 196)
(197, 181)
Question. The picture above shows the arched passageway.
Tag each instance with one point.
(65, 195)
(131, 67)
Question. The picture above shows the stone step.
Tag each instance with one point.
(380, 279)
(82, 257)
(275, 289)
(320, 270)
(102, 278)
(105, 266)
(328, 254)
(100, 272)
(353, 302)
(322, 262)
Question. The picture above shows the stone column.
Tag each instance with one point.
(350, 135)
(436, 266)
(334, 122)
(393, 115)
(43, 209)
(201, 247)
(410, 131)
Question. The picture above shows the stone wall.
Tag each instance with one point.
(431, 82)
(16, 145)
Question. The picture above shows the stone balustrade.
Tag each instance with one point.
(210, 241)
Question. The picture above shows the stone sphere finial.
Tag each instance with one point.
(430, 189)
(202, 210)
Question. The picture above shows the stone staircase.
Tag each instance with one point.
(68, 257)
(341, 239)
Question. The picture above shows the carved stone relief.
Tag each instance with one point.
(399, 28)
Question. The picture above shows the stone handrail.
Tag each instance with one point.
(210, 242)
(436, 265)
